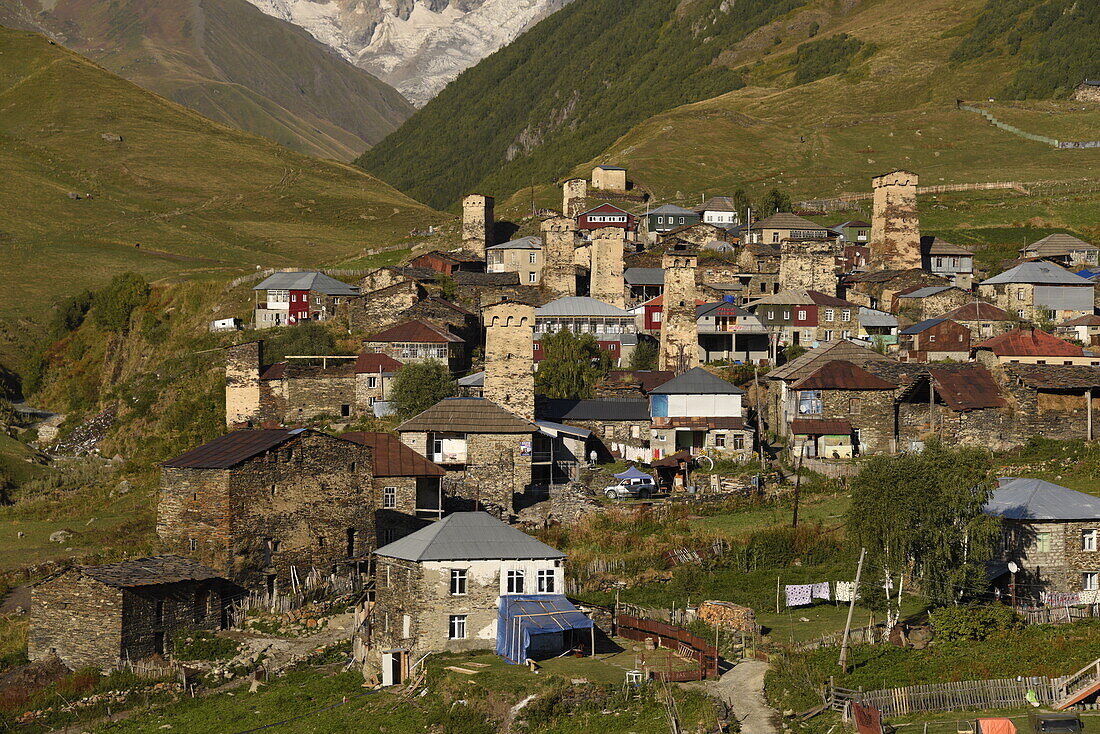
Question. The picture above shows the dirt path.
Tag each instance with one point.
(19, 598)
(742, 688)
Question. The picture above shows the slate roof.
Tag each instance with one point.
(786, 220)
(467, 415)
(233, 448)
(464, 277)
(697, 381)
(391, 458)
(149, 571)
(843, 350)
(1030, 342)
(979, 311)
(671, 209)
(580, 306)
(417, 332)
(718, 204)
(966, 386)
(1039, 273)
(646, 379)
(821, 427)
(1055, 245)
(595, 409)
(925, 291)
(468, 536)
(1056, 376)
(374, 362)
(644, 276)
(306, 281)
(838, 375)
(921, 326)
(477, 379)
(523, 243)
(874, 317)
(936, 246)
(1035, 499)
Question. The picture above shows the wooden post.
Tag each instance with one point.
(797, 486)
(851, 610)
(1088, 406)
(777, 595)
(593, 631)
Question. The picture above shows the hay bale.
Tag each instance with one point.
(727, 615)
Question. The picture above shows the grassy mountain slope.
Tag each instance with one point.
(230, 62)
(178, 194)
(872, 87)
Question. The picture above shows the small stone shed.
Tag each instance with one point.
(95, 616)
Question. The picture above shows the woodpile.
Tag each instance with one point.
(728, 615)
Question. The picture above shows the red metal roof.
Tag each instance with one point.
(416, 332)
(978, 311)
(374, 362)
(838, 375)
(820, 427)
(1030, 342)
(966, 387)
(393, 458)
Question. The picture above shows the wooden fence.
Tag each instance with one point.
(967, 694)
(870, 635)
(684, 643)
(150, 670)
(1060, 615)
(314, 587)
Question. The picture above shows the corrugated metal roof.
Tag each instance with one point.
(306, 281)
(1035, 499)
(838, 375)
(644, 276)
(697, 381)
(391, 458)
(966, 386)
(820, 427)
(786, 220)
(671, 209)
(611, 168)
(468, 536)
(475, 380)
(979, 311)
(801, 297)
(1086, 320)
(375, 362)
(1040, 273)
(233, 448)
(826, 352)
(921, 326)
(579, 306)
(467, 415)
(925, 292)
(149, 571)
(416, 332)
(523, 243)
(555, 428)
(596, 409)
(1030, 343)
(874, 317)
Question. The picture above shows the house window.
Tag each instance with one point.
(846, 315)
(372, 382)
(457, 629)
(681, 220)
(738, 442)
(853, 406)
(1090, 581)
(458, 582)
(660, 220)
(775, 237)
(1042, 542)
(159, 612)
(531, 277)
(829, 314)
(389, 498)
(192, 544)
(828, 335)
(1088, 540)
(1020, 294)
(515, 581)
(719, 440)
(345, 410)
(809, 402)
(1020, 312)
(533, 256)
(786, 315)
(771, 315)
(656, 317)
(546, 581)
(939, 262)
(801, 315)
(931, 337)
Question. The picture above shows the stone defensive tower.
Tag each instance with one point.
(509, 356)
(243, 363)
(574, 197)
(606, 282)
(808, 264)
(559, 241)
(477, 223)
(679, 329)
(895, 224)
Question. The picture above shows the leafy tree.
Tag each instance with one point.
(742, 203)
(775, 201)
(921, 513)
(306, 338)
(644, 356)
(792, 352)
(113, 305)
(571, 365)
(69, 314)
(420, 385)
(448, 288)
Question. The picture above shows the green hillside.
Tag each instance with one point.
(230, 62)
(820, 97)
(162, 191)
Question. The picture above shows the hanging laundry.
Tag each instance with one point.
(846, 591)
(1061, 598)
(799, 595)
(821, 591)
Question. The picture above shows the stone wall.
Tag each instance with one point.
(381, 309)
(609, 180)
(607, 284)
(509, 357)
(1058, 569)
(477, 223)
(930, 307)
(77, 619)
(679, 349)
(242, 382)
(895, 223)
(809, 265)
(874, 419)
(182, 606)
(398, 521)
(497, 469)
(559, 273)
(993, 428)
(311, 391)
(574, 197)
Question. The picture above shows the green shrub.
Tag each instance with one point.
(202, 645)
(955, 623)
(113, 305)
(825, 57)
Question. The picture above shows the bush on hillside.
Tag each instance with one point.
(955, 623)
(113, 305)
(825, 57)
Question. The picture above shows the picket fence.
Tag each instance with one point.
(150, 670)
(1060, 615)
(869, 635)
(967, 694)
(314, 587)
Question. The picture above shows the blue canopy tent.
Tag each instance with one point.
(531, 624)
(633, 473)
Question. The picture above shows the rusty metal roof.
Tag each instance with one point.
(978, 311)
(966, 387)
(393, 458)
(1030, 342)
(839, 375)
(150, 571)
(1055, 376)
(415, 332)
(233, 448)
(372, 362)
(468, 415)
(820, 427)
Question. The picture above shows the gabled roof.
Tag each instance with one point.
(233, 448)
(306, 281)
(718, 204)
(644, 276)
(721, 308)
(925, 291)
(786, 220)
(967, 386)
(1090, 319)
(1030, 342)
(979, 311)
(468, 536)
(150, 571)
(574, 306)
(1040, 273)
(416, 332)
(595, 409)
(606, 208)
(1035, 499)
(672, 209)
(477, 379)
(801, 297)
(808, 363)
(697, 381)
(874, 317)
(391, 458)
(530, 242)
(921, 326)
(467, 415)
(838, 375)
(375, 362)
(936, 246)
(1054, 245)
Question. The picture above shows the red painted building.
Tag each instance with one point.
(652, 311)
(614, 348)
(607, 215)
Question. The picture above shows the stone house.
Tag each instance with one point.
(934, 339)
(806, 317)
(876, 289)
(1040, 291)
(485, 449)
(1053, 400)
(928, 301)
(1064, 249)
(961, 404)
(760, 258)
(291, 297)
(1028, 345)
(522, 256)
(785, 226)
(984, 320)
(389, 275)
(698, 412)
(481, 288)
(620, 426)
(447, 588)
(419, 341)
(380, 308)
(951, 261)
(809, 264)
(263, 506)
(843, 392)
(97, 616)
(1085, 329)
(1050, 533)
(609, 178)
(700, 234)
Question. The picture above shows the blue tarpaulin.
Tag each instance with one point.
(633, 473)
(534, 623)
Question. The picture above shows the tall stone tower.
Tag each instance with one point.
(679, 329)
(559, 241)
(509, 356)
(606, 283)
(574, 197)
(477, 223)
(243, 363)
(808, 264)
(895, 224)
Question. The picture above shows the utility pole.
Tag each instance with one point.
(851, 609)
(798, 483)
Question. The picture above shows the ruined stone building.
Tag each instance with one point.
(509, 357)
(809, 264)
(477, 224)
(606, 279)
(98, 616)
(895, 223)
(264, 506)
(574, 197)
(449, 263)
(559, 271)
(928, 301)
(679, 350)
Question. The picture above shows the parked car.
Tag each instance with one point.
(1042, 723)
(631, 488)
